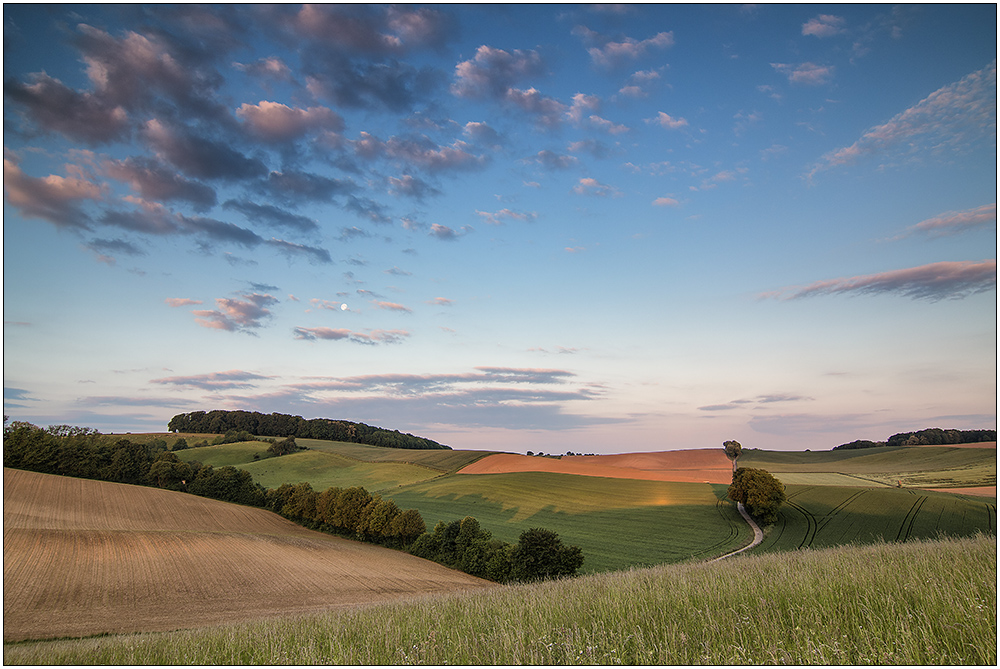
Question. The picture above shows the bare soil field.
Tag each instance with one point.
(693, 466)
(977, 444)
(88, 557)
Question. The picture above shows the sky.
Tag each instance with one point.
(587, 228)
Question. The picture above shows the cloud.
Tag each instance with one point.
(267, 69)
(181, 301)
(667, 121)
(372, 337)
(581, 105)
(482, 133)
(552, 160)
(198, 156)
(314, 253)
(271, 215)
(153, 181)
(637, 83)
(548, 111)
(608, 53)
(233, 379)
(589, 186)
(444, 233)
(824, 25)
(936, 281)
(665, 202)
(756, 402)
(237, 315)
(53, 198)
(492, 72)
(54, 107)
(104, 248)
(808, 74)
(954, 222)
(412, 186)
(293, 186)
(441, 302)
(278, 123)
(497, 218)
(393, 306)
(420, 151)
(951, 118)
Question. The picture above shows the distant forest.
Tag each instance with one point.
(284, 425)
(933, 436)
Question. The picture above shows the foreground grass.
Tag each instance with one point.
(923, 602)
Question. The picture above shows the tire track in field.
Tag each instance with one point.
(907, 525)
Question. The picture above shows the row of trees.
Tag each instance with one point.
(933, 436)
(465, 545)
(353, 512)
(284, 425)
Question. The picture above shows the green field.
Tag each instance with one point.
(823, 516)
(619, 523)
(924, 466)
(923, 603)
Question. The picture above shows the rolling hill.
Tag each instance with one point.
(88, 557)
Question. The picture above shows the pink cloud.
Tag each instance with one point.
(824, 25)
(372, 337)
(237, 314)
(53, 198)
(180, 301)
(275, 122)
(953, 222)
(668, 121)
(936, 281)
(393, 306)
(665, 202)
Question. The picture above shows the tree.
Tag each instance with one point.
(759, 492)
(283, 447)
(407, 526)
(541, 554)
(733, 451)
(169, 472)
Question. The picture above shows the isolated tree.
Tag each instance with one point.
(759, 492)
(283, 447)
(733, 451)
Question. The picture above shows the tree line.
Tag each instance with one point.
(283, 425)
(351, 512)
(933, 436)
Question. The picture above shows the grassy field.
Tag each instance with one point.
(334, 463)
(619, 523)
(824, 516)
(86, 557)
(917, 603)
(925, 466)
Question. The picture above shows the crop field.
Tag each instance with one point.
(915, 603)
(443, 460)
(924, 466)
(88, 557)
(822, 516)
(619, 523)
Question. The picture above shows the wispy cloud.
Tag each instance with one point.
(756, 402)
(954, 222)
(950, 118)
(498, 217)
(372, 337)
(232, 379)
(808, 74)
(824, 25)
(181, 301)
(936, 281)
(612, 52)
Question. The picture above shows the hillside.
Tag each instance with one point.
(87, 557)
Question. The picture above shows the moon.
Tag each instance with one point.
(343, 307)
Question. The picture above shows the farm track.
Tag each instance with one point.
(88, 557)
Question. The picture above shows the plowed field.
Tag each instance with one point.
(86, 557)
(695, 465)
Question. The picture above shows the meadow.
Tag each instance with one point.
(913, 603)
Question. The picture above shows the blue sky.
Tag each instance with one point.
(526, 227)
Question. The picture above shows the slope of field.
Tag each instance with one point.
(825, 516)
(696, 465)
(87, 557)
(913, 467)
(618, 522)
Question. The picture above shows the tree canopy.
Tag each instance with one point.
(759, 492)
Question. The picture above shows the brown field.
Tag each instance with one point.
(695, 465)
(86, 557)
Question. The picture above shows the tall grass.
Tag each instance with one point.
(923, 602)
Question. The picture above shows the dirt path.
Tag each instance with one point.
(758, 535)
